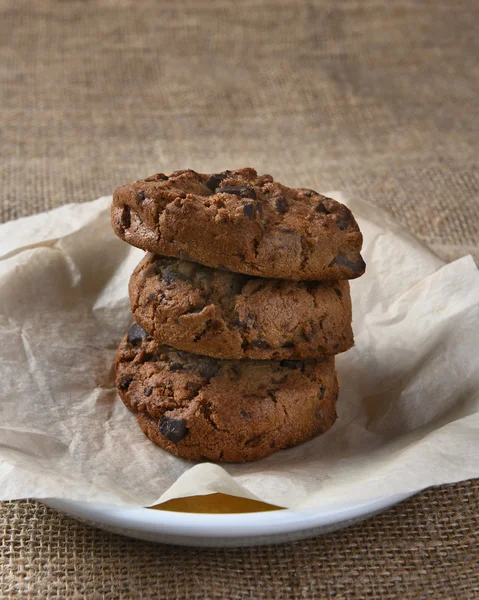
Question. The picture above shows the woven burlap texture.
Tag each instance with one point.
(376, 98)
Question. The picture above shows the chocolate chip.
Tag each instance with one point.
(182, 355)
(248, 210)
(317, 414)
(322, 390)
(157, 177)
(156, 267)
(199, 335)
(209, 369)
(344, 218)
(214, 180)
(338, 292)
(252, 440)
(150, 358)
(245, 415)
(176, 366)
(238, 190)
(321, 208)
(148, 391)
(194, 311)
(161, 298)
(140, 196)
(281, 205)
(241, 324)
(293, 364)
(173, 429)
(343, 261)
(310, 193)
(136, 335)
(152, 296)
(215, 325)
(260, 343)
(124, 382)
(288, 345)
(125, 218)
(169, 275)
(272, 444)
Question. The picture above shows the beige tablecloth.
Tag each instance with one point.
(372, 97)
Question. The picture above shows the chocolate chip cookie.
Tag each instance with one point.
(230, 315)
(242, 222)
(223, 410)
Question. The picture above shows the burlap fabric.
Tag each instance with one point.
(378, 99)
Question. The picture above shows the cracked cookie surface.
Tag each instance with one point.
(230, 315)
(242, 222)
(199, 407)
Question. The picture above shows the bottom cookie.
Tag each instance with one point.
(201, 408)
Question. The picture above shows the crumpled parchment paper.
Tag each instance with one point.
(409, 403)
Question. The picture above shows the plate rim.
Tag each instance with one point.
(226, 525)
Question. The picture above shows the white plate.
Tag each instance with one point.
(221, 530)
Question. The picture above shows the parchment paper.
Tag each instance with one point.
(409, 403)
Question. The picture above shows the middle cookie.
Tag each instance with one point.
(229, 315)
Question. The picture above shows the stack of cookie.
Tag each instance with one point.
(240, 305)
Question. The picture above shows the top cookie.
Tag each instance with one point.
(242, 222)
